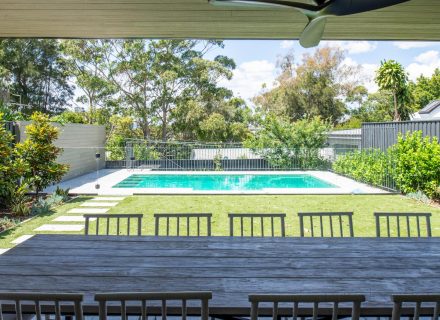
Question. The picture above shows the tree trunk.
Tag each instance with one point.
(396, 110)
(164, 124)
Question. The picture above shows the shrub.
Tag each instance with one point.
(413, 164)
(417, 165)
(6, 223)
(285, 145)
(40, 154)
(369, 166)
(19, 204)
(63, 193)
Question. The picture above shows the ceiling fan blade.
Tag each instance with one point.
(312, 33)
(317, 6)
(347, 7)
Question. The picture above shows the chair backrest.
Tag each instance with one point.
(296, 300)
(34, 303)
(113, 224)
(418, 300)
(144, 297)
(187, 224)
(335, 221)
(402, 222)
(258, 224)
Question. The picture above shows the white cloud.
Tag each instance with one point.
(352, 47)
(405, 45)
(287, 44)
(249, 78)
(424, 64)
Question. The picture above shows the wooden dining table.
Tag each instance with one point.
(230, 267)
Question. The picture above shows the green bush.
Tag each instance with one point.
(417, 163)
(40, 154)
(20, 202)
(413, 164)
(289, 145)
(63, 193)
(369, 166)
(6, 223)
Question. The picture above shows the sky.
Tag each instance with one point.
(256, 60)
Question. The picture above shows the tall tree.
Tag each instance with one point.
(86, 63)
(315, 87)
(392, 76)
(38, 74)
(426, 89)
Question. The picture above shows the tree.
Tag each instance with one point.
(315, 87)
(285, 144)
(38, 74)
(392, 76)
(40, 154)
(86, 63)
(425, 89)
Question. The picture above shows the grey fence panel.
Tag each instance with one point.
(381, 135)
(13, 128)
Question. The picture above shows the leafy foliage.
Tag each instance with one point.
(40, 154)
(315, 87)
(369, 166)
(413, 164)
(417, 163)
(284, 144)
(392, 77)
(6, 223)
(37, 74)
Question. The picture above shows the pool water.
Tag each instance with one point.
(206, 182)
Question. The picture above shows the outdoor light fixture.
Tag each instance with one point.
(97, 157)
(316, 11)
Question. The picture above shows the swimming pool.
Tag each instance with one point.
(223, 182)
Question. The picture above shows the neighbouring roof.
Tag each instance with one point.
(350, 132)
(433, 105)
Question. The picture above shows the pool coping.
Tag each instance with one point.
(107, 178)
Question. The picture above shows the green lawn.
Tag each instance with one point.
(363, 207)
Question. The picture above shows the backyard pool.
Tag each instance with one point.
(223, 182)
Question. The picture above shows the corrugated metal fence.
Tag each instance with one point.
(381, 135)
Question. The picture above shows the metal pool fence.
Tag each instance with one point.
(370, 166)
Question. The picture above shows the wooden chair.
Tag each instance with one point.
(296, 300)
(331, 217)
(258, 218)
(417, 310)
(407, 217)
(38, 304)
(123, 223)
(176, 219)
(143, 298)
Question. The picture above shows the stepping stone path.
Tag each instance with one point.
(97, 205)
(22, 238)
(71, 219)
(88, 210)
(3, 251)
(60, 227)
(108, 199)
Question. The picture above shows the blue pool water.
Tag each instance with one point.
(240, 182)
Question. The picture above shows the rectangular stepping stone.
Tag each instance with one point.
(71, 219)
(3, 251)
(22, 238)
(108, 199)
(98, 204)
(88, 210)
(60, 227)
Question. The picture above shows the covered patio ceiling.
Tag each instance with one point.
(413, 20)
